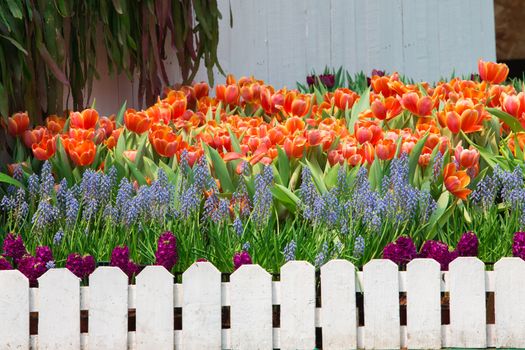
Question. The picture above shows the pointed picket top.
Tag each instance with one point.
(251, 308)
(381, 303)
(509, 307)
(297, 305)
(14, 306)
(108, 308)
(467, 303)
(201, 307)
(59, 312)
(338, 305)
(423, 304)
(154, 307)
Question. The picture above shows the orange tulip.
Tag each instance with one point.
(45, 148)
(111, 141)
(81, 152)
(386, 109)
(201, 89)
(130, 154)
(228, 94)
(31, 137)
(385, 149)
(420, 106)
(17, 123)
(81, 134)
(271, 102)
(466, 158)
(138, 122)
(295, 147)
(107, 125)
(469, 121)
(55, 124)
(87, 119)
(178, 102)
(295, 124)
(344, 98)
(165, 142)
(456, 181)
(494, 73)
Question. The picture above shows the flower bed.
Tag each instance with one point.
(261, 175)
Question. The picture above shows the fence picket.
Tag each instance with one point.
(338, 311)
(108, 308)
(201, 307)
(381, 303)
(59, 312)
(251, 308)
(297, 306)
(424, 304)
(154, 307)
(509, 307)
(468, 327)
(14, 310)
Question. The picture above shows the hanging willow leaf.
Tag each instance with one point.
(15, 43)
(55, 69)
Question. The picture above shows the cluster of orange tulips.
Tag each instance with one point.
(250, 121)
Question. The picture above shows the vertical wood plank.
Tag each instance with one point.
(424, 304)
(509, 306)
(59, 310)
(14, 310)
(154, 308)
(297, 305)
(108, 309)
(381, 303)
(201, 307)
(468, 324)
(318, 37)
(251, 308)
(343, 35)
(338, 311)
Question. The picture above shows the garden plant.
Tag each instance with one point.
(253, 173)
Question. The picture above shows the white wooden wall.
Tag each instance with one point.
(282, 41)
(250, 295)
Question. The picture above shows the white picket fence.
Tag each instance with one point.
(251, 294)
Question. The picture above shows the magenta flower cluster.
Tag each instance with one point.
(518, 245)
(81, 266)
(403, 250)
(120, 258)
(241, 258)
(166, 254)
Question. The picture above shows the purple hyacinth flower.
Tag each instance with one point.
(120, 258)
(75, 264)
(518, 245)
(402, 251)
(241, 258)
(32, 267)
(44, 253)
(14, 247)
(328, 80)
(4, 264)
(438, 251)
(88, 265)
(166, 254)
(468, 244)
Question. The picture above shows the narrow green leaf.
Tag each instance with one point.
(120, 115)
(512, 122)
(11, 181)
(221, 171)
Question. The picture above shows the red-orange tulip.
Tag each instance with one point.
(294, 148)
(385, 149)
(467, 158)
(386, 109)
(165, 142)
(45, 148)
(81, 152)
(456, 181)
(469, 121)
(201, 89)
(492, 72)
(18, 123)
(295, 124)
(420, 106)
(55, 124)
(344, 98)
(130, 154)
(178, 102)
(138, 122)
(87, 119)
(31, 137)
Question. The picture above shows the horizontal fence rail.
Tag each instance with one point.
(378, 308)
